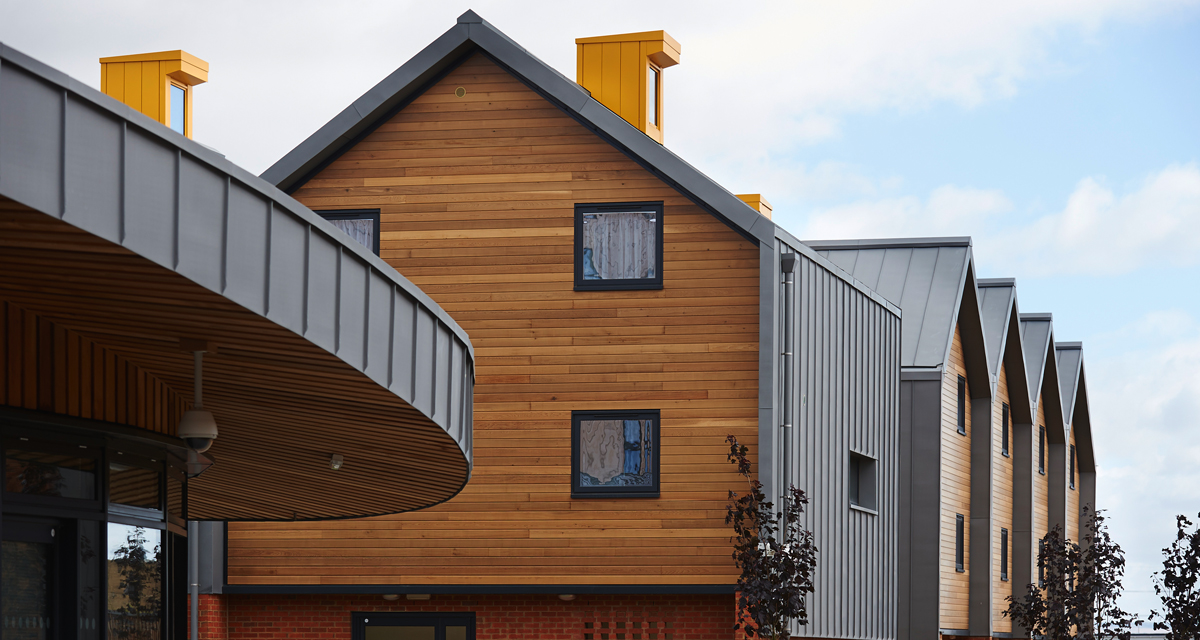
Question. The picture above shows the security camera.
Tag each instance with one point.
(198, 428)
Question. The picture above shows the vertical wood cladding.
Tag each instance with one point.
(1072, 495)
(1041, 482)
(1002, 504)
(956, 493)
(47, 367)
(476, 195)
(846, 386)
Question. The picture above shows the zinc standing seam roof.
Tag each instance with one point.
(924, 277)
(1070, 363)
(1036, 332)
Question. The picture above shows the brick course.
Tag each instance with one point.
(497, 617)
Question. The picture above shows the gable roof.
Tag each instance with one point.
(1037, 336)
(1070, 365)
(925, 277)
(474, 34)
(1002, 333)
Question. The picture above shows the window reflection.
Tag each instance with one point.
(28, 585)
(133, 486)
(49, 474)
(135, 604)
(178, 105)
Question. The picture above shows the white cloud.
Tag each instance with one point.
(1145, 404)
(1097, 232)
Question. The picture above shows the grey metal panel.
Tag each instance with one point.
(1035, 338)
(846, 377)
(995, 306)
(211, 557)
(945, 291)
(1070, 358)
(869, 267)
(1022, 538)
(893, 274)
(188, 209)
(923, 480)
(917, 288)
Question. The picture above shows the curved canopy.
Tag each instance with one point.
(142, 241)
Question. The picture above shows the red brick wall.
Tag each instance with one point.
(497, 617)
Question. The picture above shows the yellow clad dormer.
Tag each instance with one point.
(624, 72)
(157, 84)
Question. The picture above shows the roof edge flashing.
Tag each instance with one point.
(890, 243)
(996, 282)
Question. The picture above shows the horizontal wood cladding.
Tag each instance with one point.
(956, 494)
(1002, 505)
(48, 367)
(476, 197)
(1041, 481)
(1073, 514)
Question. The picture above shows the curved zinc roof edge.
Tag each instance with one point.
(82, 157)
(218, 161)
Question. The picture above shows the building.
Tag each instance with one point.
(497, 184)
(145, 281)
(975, 502)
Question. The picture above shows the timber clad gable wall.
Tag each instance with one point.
(476, 195)
(1002, 504)
(1041, 483)
(956, 493)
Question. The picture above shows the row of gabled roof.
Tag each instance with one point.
(933, 281)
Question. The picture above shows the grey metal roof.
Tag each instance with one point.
(1037, 337)
(1070, 368)
(996, 299)
(85, 159)
(925, 277)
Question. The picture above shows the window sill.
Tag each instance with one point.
(615, 494)
(1005, 454)
(648, 286)
(854, 507)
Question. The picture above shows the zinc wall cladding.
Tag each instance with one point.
(846, 381)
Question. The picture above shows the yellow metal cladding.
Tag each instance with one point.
(757, 202)
(143, 81)
(624, 72)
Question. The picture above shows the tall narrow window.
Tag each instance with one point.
(618, 246)
(653, 89)
(1004, 555)
(1004, 429)
(1041, 563)
(360, 224)
(962, 405)
(1072, 466)
(178, 107)
(959, 542)
(1042, 450)
(614, 454)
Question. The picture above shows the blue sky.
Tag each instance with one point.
(1061, 134)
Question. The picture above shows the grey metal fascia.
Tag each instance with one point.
(922, 373)
(890, 243)
(89, 123)
(996, 282)
(800, 247)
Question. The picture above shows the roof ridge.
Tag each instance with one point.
(889, 243)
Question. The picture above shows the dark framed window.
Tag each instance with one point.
(1042, 450)
(962, 405)
(959, 542)
(412, 626)
(618, 246)
(614, 454)
(1041, 563)
(1004, 429)
(360, 224)
(1072, 476)
(1004, 555)
(862, 483)
(653, 93)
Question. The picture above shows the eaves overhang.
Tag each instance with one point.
(473, 34)
(124, 231)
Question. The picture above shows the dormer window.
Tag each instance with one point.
(178, 107)
(618, 246)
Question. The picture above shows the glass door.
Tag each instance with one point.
(28, 588)
(414, 626)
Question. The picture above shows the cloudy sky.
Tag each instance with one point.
(1061, 134)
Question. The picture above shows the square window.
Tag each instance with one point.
(361, 224)
(862, 481)
(614, 454)
(618, 246)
